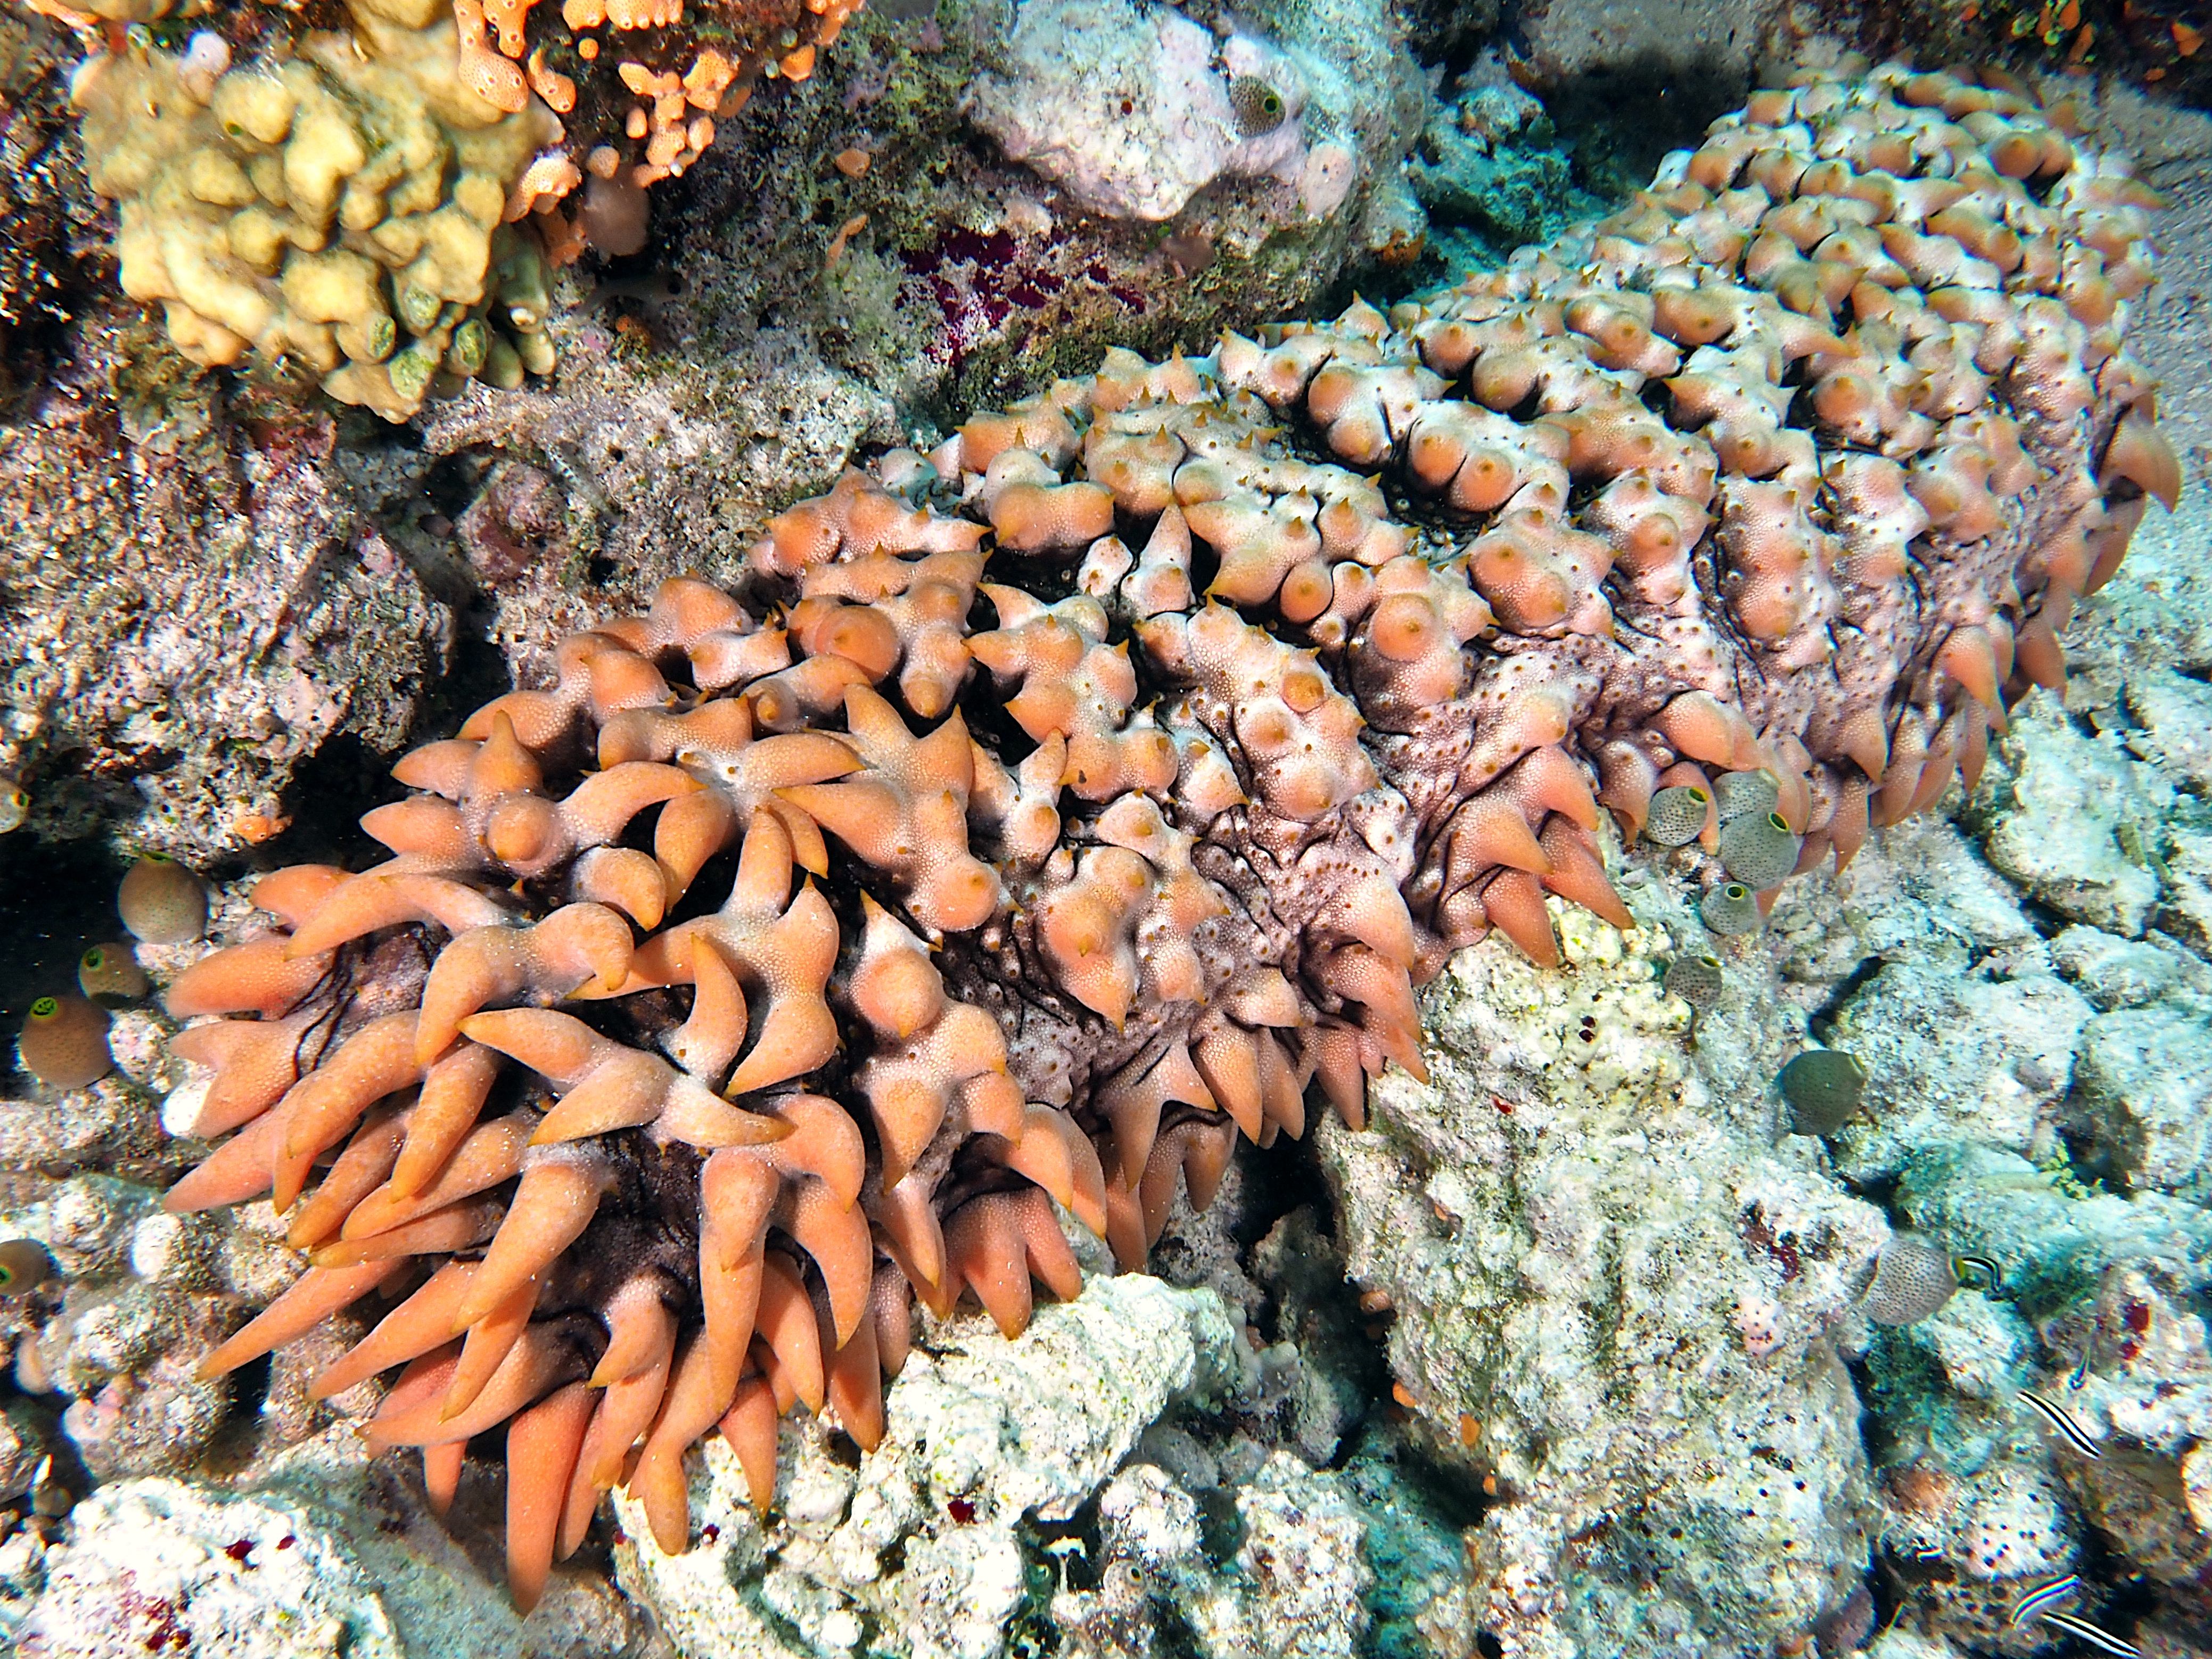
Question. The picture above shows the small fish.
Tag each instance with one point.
(23, 1262)
(2057, 1417)
(1927, 1551)
(2091, 1634)
(649, 289)
(2045, 1594)
(1982, 1264)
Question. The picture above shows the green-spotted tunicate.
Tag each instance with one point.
(1758, 849)
(1260, 108)
(1696, 980)
(1911, 1279)
(1730, 908)
(1677, 815)
(1744, 794)
(1824, 1087)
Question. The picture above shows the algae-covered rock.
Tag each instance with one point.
(1952, 1059)
(1612, 1285)
(926, 1542)
(329, 1554)
(2144, 1100)
(2075, 826)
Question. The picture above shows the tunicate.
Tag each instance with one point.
(1678, 814)
(64, 1042)
(1696, 980)
(110, 971)
(1730, 908)
(162, 902)
(1744, 794)
(1758, 850)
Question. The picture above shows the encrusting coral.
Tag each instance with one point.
(378, 205)
(1776, 487)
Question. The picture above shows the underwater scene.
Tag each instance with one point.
(991, 829)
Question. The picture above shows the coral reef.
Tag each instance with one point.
(1779, 485)
(345, 210)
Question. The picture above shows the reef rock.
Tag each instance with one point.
(1616, 1300)
(931, 1546)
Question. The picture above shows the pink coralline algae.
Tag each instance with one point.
(808, 946)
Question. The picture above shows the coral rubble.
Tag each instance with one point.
(1777, 485)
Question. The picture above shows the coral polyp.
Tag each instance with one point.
(807, 950)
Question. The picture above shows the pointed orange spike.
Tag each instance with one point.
(708, 1042)
(626, 1412)
(690, 830)
(367, 903)
(1051, 1260)
(854, 1387)
(558, 1046)
(1865, 739)
(540, 1362)
(984, 1250)
(597, 809)
(1125, 1226)
(553, 1203)
(419, 1325)
(799, 1034)
(502, 765)
(259, 1060)
(824, 1142)
(890, 1311)
(1385, 990)
(909, 1218)
(441, 1232)
(695, 1403)
(492, 1153)
(1229, 1059)
(441, 1474)
(295, 893)
(358, 1172)
(1514, 905)
(485, 1347)
(749, 1427)
(250, 978)
(625, 1089)
(543, 1443)
(1133, 1107)
(1058, 1157)
(764, 864)
(641, 1330)
(429, 833)
(454, 1090)
(1283, 1092)
(786, 1324)
(233, 1173)
(311, 1298)
(1489, 829)
(1969, 658)
(1548, 780)
(1578, 875)
(376, 1060)
(837, 1237)
(441, 768)
(621, 878)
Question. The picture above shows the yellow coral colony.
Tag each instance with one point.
(379, 205)
(345, 209)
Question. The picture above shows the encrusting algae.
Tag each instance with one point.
(1777, 488)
